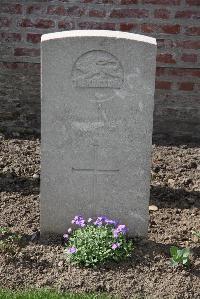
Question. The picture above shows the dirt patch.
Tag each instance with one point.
(175, 190)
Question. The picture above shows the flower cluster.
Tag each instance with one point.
(101, 220)
(96, 240)
(121, 229)
(79, 221)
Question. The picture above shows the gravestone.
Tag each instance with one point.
(97, 115)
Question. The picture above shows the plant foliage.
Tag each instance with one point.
(8, 240)
(179, 256)
(97, 242)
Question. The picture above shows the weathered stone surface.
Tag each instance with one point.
(97, 114)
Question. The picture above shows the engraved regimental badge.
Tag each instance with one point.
(98, 69)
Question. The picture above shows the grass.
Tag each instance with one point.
(48, 294)
(45, 294)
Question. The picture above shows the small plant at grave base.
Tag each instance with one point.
(97, 241)
(8, 240)
(179, 256)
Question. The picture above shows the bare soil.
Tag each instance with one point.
(175, 190)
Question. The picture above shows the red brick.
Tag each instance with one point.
(188, 44)
(166, 58)
(129, 1)
(128, 26)
(11, 8)
(183, 44)
(95, 25)
(4, 22)
(129, 13)
(68, 25)
(41, 23)
(56, 10)
(189, 58)
(26, 23)
(187, 14)
(171, 29)
(10, 37)
(149, 28)
(73, 11)
(193, 2)
(163, 85)
(34, 38)
(20, 65)
(192, 30)
(162, 2)
(160, 71)
(186, 86)
(162, 13)
(183, 72)
(97, 13)
(34, 9)
(26, 52)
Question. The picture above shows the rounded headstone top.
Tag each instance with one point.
(99, 33)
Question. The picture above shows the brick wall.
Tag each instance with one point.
(175, 24)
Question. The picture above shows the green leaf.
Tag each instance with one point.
(173, 250)
(174, 263)
(185, 261)
(186, 252)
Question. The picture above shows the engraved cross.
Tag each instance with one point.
(95, 171)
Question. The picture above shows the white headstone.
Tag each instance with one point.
(97, 115)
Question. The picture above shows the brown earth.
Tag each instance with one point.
(175, 190)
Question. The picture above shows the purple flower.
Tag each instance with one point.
(72, 250)
(65, 236)
(79, 221)
(100, 220)
(89, 220)
(120, 229)
(115, 245)
(115, 233)
(111, 222)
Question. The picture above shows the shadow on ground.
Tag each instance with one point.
(185, 141)
(166, 197)
(23, 185)
(20, 136)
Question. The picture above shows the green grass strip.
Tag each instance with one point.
(46, 294)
